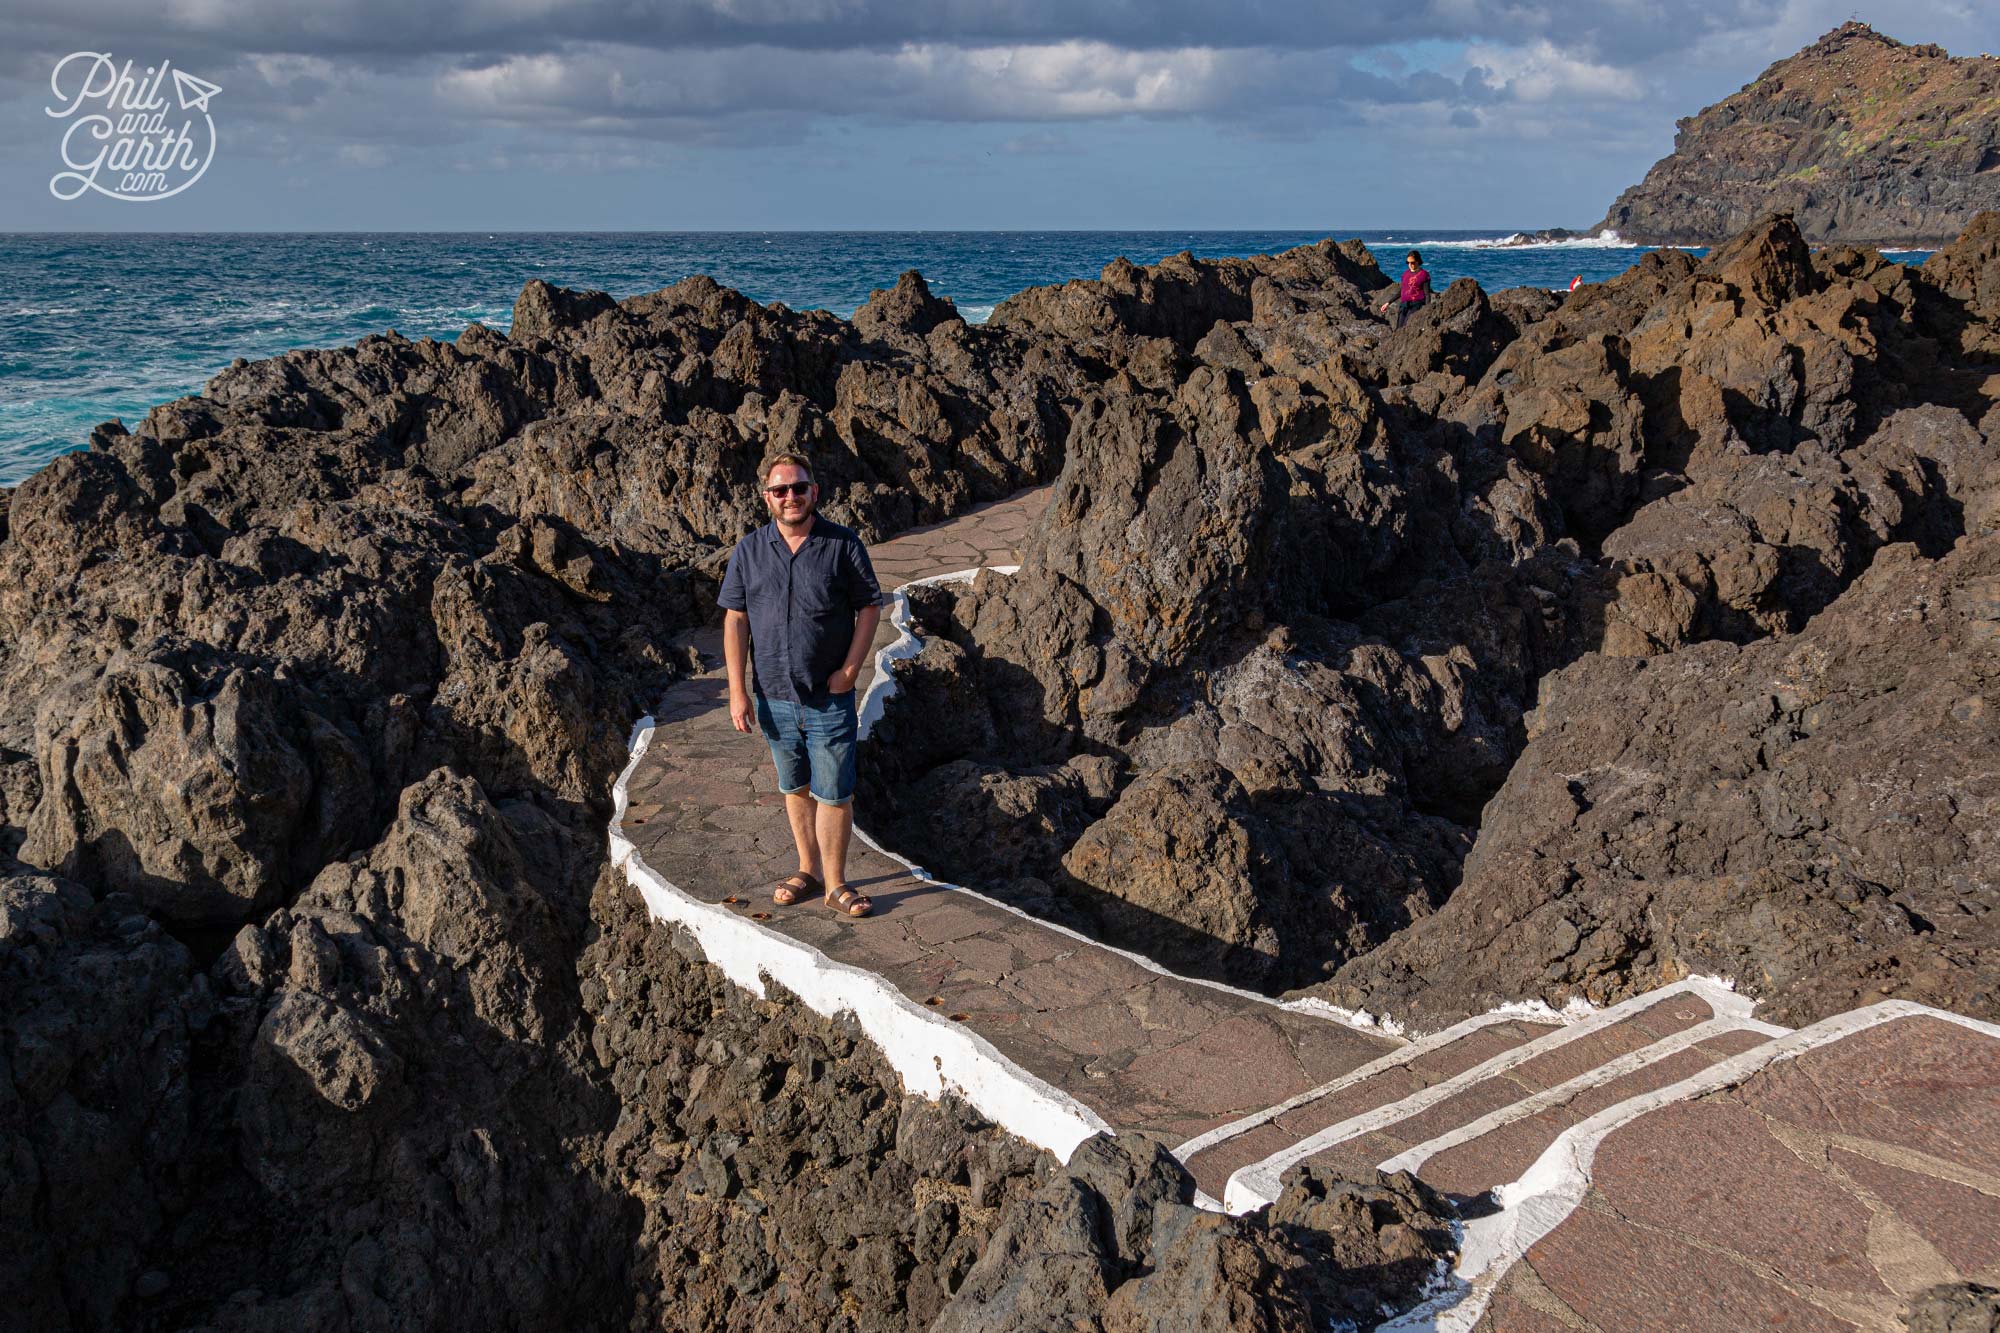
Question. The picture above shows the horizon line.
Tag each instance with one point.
(739, 231)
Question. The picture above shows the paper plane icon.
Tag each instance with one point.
(194, 93)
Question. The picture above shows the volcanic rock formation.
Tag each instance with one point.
(312, 690)
(1610, 637)
(1540, 648)
(1863, 139)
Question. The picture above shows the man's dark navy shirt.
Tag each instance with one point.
(801, 606)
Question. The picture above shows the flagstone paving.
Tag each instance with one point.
(1821, 1193)
(1820, 1190)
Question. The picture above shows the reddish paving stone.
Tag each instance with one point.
(1502, 1153)
(1462, 1108)
(1240, 1064)
(1961, 1223)
(1218, 1163)
(1920, 1083)
(1476, 1047)
(955, 921)
(1390, 1085)
(1508, 1087)
(1508, 1313)
(1624, 1279)
(1101, 1028)
(1058, 983)
(1169, 1005)
(1360, 1154)
(1628, 1034)
(1213, 1166)
(991, 956)
(1675, 1013)
(1725, 1044)
(1713, 1170)
(883, 949)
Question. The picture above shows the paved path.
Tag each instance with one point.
(1668, 1163)
(1142, 1049)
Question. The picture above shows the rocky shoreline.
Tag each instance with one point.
(1603, 638)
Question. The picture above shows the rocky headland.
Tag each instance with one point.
(1546, 647)
(1864, 140)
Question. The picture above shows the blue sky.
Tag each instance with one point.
(941, 114)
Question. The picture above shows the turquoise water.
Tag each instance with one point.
(97, 326)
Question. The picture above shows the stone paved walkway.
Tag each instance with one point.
(1145, 1050)
(1667, 1164)
(1820, 1192)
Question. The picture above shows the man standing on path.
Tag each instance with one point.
(801, 592)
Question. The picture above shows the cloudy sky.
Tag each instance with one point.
(932, 114)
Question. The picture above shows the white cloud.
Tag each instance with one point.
(1541, 71)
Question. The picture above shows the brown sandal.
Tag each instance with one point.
(794, 887)
(846, 900)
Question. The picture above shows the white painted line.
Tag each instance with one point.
(1422, 1046)
(930, 1053)
(1629, 1063)
(1253, 1186)
(883, 686)
(1550, 1190)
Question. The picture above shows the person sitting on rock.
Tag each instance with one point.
(1415, 291)
(800, 592)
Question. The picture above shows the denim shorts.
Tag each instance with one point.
(812, 745)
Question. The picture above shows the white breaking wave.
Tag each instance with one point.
(1607, 241)
(975, 314)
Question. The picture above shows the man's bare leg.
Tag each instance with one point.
(799, 809)
(833, 825)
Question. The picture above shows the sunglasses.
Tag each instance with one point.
(796, 488)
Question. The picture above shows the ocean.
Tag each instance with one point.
(100, 326)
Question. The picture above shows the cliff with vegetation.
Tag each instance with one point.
(1862, 139)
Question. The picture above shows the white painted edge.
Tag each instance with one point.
(1256, 1185)
(882, 687)
(875, 699)
(930, 1053)
(1550, 1190)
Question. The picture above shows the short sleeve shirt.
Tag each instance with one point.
(1416, 285)
(801, 605)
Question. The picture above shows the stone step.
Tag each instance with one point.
(1818, 1181)
(1498, 1147)
(1214, 1156)
(1361, 1139)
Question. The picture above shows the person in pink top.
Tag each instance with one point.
(1415, 291)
